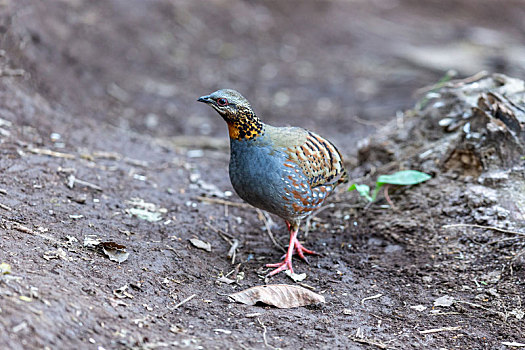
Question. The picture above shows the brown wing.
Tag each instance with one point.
(319, 159)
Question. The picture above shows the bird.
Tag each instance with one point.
(286, 171)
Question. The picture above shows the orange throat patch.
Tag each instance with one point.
(244, 129)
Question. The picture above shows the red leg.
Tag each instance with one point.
(287, 263)
(293, 247)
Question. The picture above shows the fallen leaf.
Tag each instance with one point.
(76, 216)
(144, 214)
(444, 301)
(225, 331)
(419, 307)
(55, 254)
(144, 210)
(225, 280)
(91, 241)
(513, 344)
(121, 292)
(201, 244)
(71, 240)
(114, 251)
(283, 296)
(5, 268)
(296, 277)
(518, 313)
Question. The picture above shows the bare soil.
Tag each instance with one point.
(101, 136)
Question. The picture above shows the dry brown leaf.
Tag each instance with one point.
(283, 296)
(201, 244)
(114, 251)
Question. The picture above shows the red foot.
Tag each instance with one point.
(300, 250)
(294, 247)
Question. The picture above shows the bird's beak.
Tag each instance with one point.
(205, 99)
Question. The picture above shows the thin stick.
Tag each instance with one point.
(485, 227)
(369, 342)
(366, 122)
(387, 197)
(180, 304)
(222, 201)
(5, 207)
(184, 301)
(233, 250)
(2, 191)
(24, 229)
(501, 314)
(314, 214)
(264, 334)
(268, 230)
(87, 184)
(370, 298)
(443, 329)
(224, 235)
(48, 152)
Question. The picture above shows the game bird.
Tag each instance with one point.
(287, 171)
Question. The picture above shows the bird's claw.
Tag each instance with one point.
(282, 266)
(300, 250)
(287, 263)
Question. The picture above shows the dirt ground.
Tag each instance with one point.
(101, 137)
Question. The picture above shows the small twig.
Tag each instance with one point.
(234, 243)
(485, 227)
(5, 207)
(501, 314)
(180, 304)
(136, 162)
(376, 125)
(443, 329)
(369, 342)
(264, 334)
(268, 229)
(222, 201)
(314, 214)
(2, 191)
(235, 271)
(233, 250)
(387, 197)
(24, 229)
(514, 344)
(502, 240)
(48, 152)
(306, 285)
(172, 249)
(72, 180)
(370, 298)
(224, 235)
(184, 301)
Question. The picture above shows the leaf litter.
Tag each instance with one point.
(282, 296)
(145, 210)
(114, 251)
(200, 244)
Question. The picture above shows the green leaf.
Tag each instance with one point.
(363, 190)
(404, 177)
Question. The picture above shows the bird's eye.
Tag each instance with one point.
(222, 102)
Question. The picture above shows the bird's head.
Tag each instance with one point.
(236, 111)
(227, 102)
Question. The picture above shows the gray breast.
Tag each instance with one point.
(256, 174)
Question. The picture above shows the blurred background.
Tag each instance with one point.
(341, 68)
